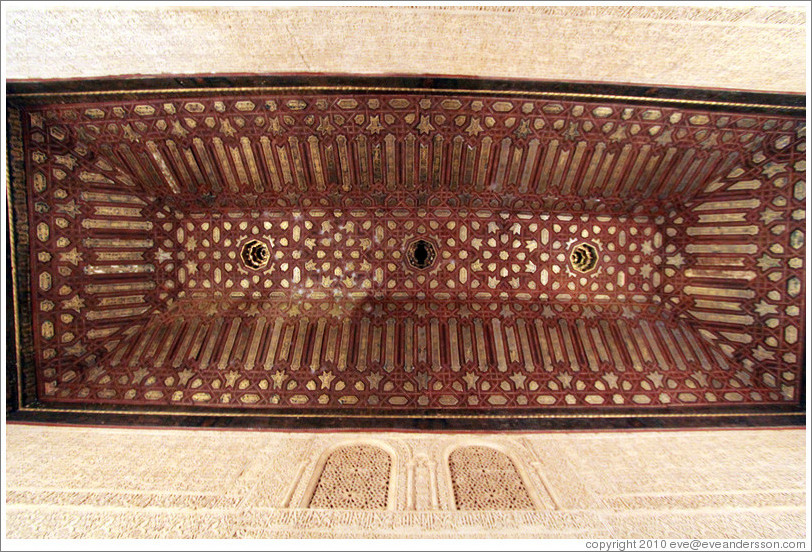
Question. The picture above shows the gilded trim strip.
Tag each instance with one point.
(18, 240)
(412, 416)
(400, 90)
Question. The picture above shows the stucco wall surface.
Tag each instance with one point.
(739, 47)
(69, 482)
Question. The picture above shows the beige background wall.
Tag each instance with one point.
(65, 482)
(757, 48)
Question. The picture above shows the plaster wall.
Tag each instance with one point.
(757, 47)
(68, 482)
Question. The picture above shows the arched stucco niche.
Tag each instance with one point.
(482, 475)
(354, 474)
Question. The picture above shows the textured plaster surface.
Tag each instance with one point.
(103, 482)
(758, 48)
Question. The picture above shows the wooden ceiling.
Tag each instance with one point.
(134, 207)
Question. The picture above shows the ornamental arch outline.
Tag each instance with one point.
(497, 447)
(321, 463)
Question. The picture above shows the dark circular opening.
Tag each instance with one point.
(421, 254)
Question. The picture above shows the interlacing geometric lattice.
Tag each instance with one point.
(354, 478)
(137, 211)
(486, 479)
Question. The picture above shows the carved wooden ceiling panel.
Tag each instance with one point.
(408, 251)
